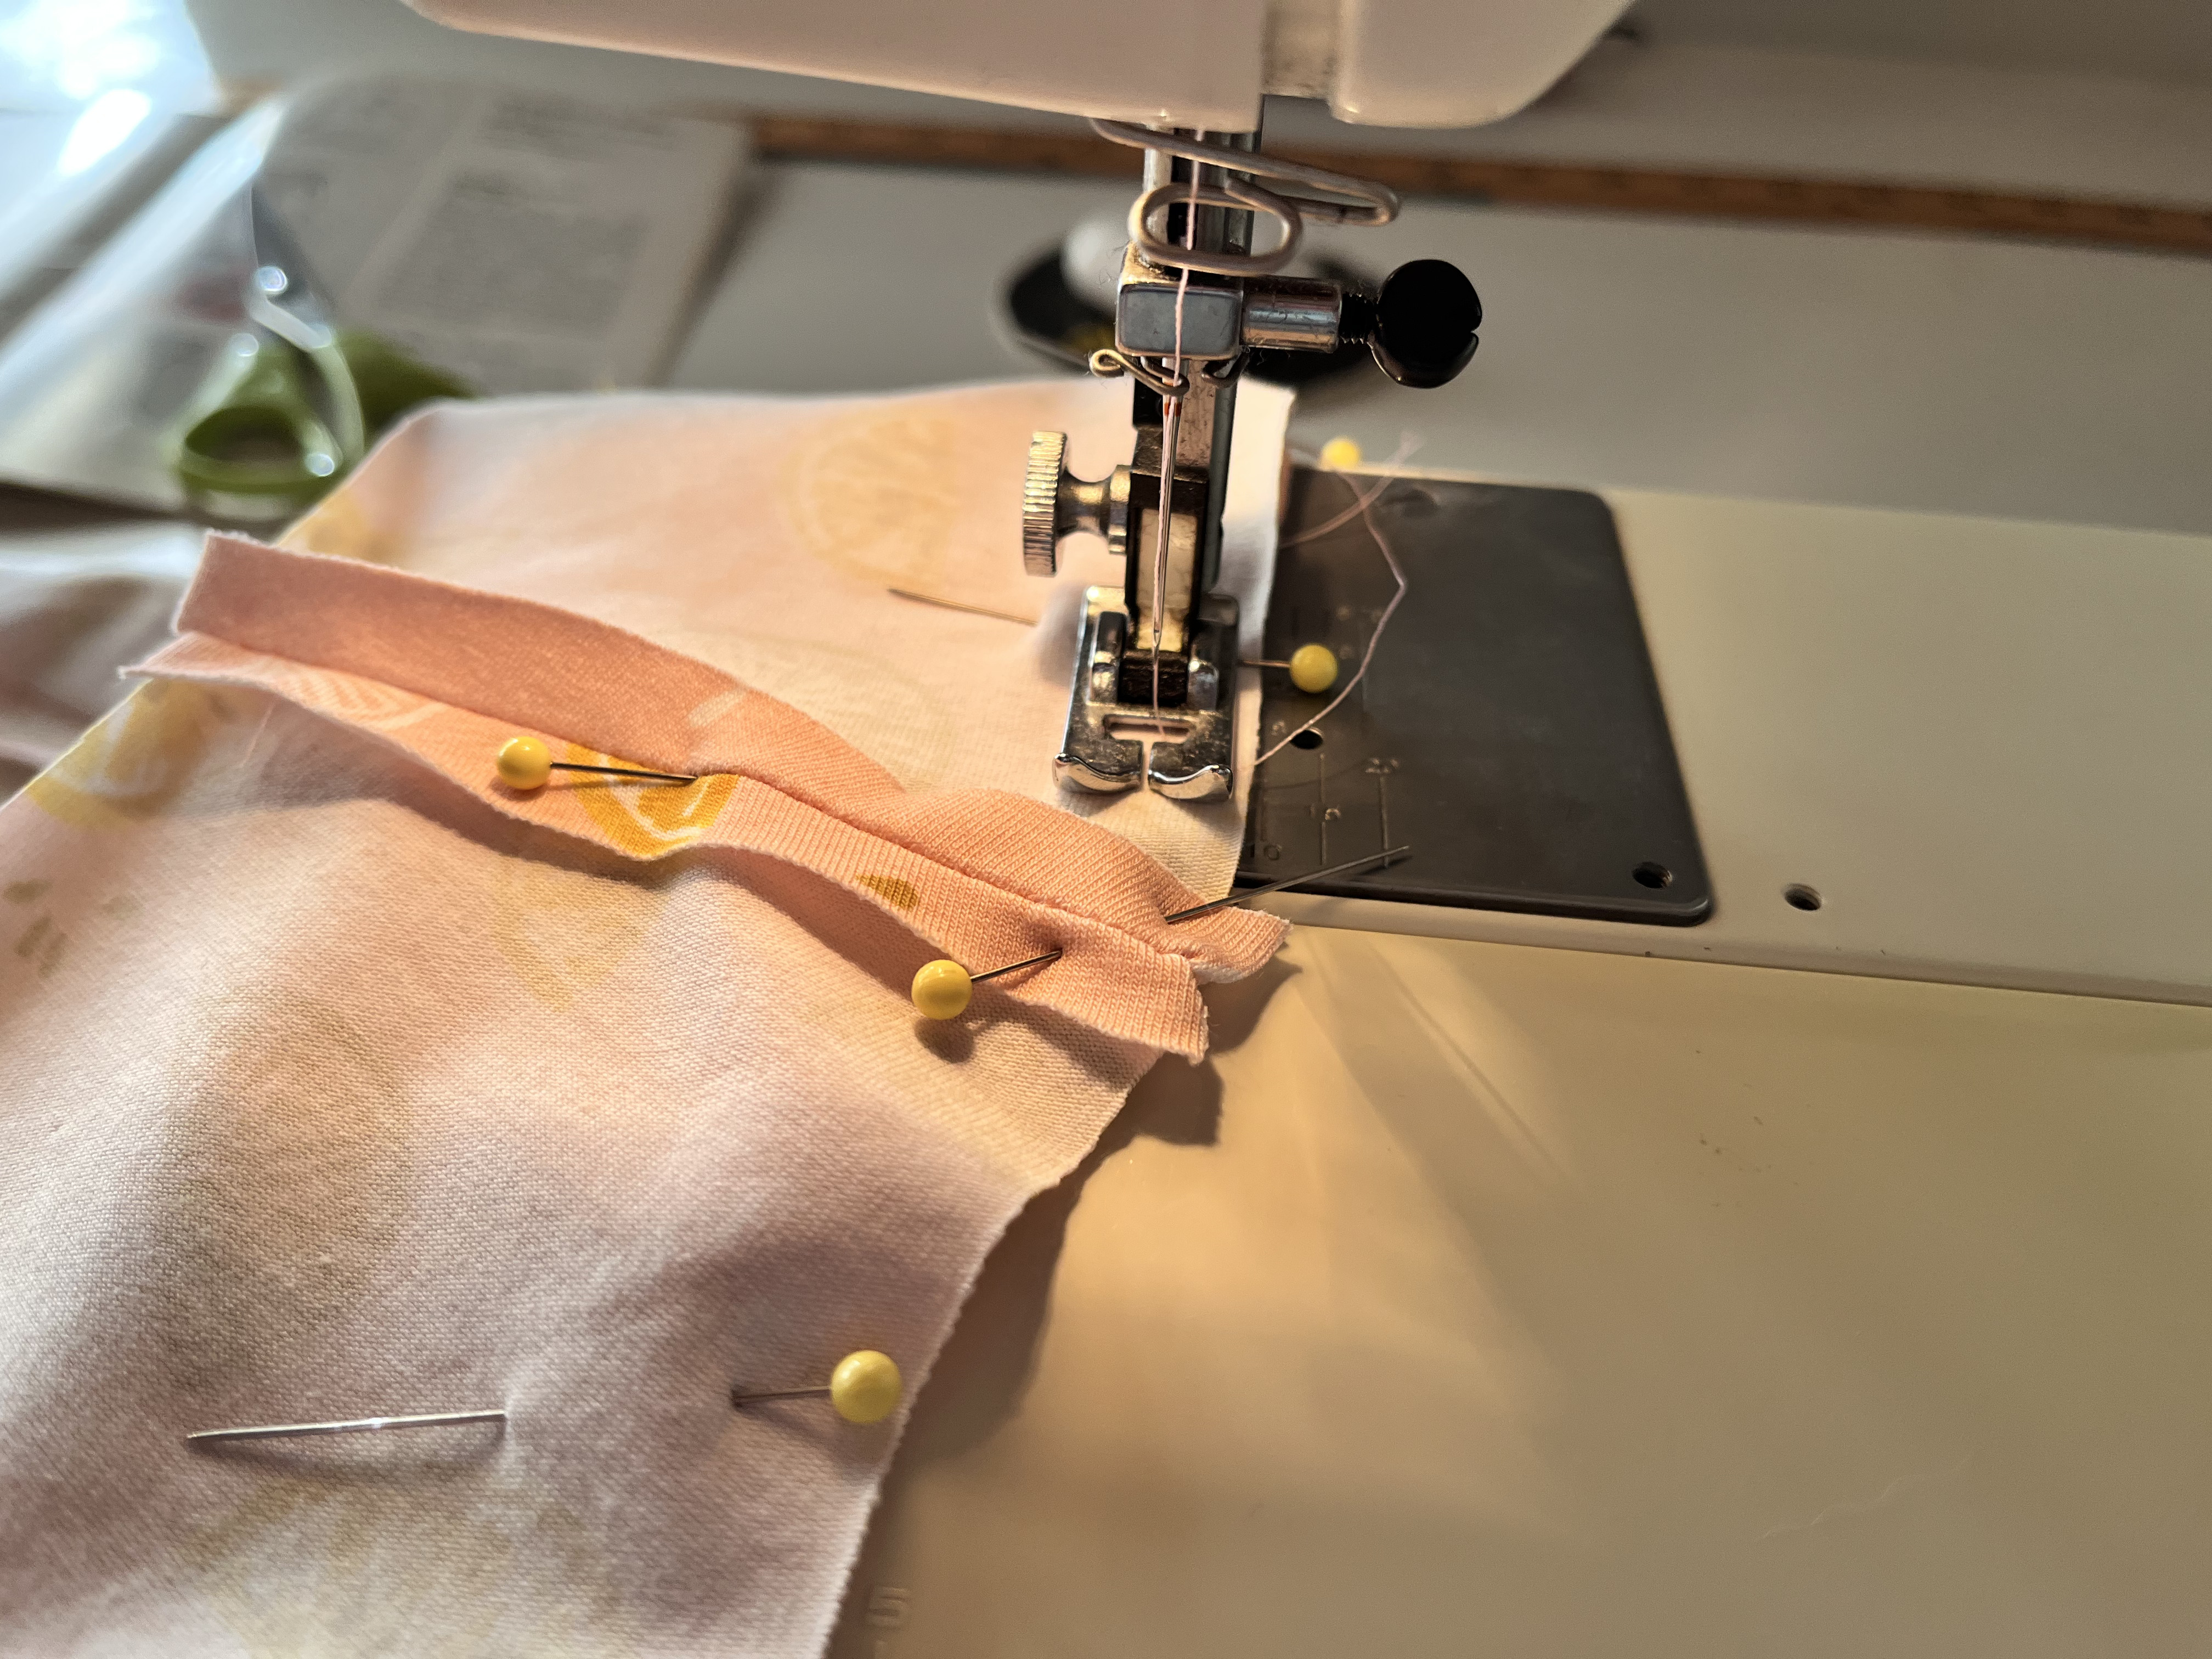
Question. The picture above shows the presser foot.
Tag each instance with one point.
(1193, 751)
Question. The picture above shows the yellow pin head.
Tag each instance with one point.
(866, 1387)
(1342, 454)
(1313, 668)
(525, 762)
(941, 989)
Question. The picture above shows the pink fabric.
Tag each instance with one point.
(342, 1081)
(447, 675)
(763, 535)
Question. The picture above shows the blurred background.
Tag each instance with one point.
(1950, 256)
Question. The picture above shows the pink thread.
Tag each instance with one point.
(1170, 443)
(1363, 505)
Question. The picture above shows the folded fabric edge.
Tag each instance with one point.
(510, 658)
(1113, 981)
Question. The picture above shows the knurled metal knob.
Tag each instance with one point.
(1056, 503)
(1041, 503)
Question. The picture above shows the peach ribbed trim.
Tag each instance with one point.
(447, 674)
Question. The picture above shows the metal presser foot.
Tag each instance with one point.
(1195, 304)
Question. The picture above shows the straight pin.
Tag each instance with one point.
(525, 762)
(351, 1425)
(620, 772)
(864, 1388)
(1013, 967)
(1248, 893)
(963, 604)
(942, 989)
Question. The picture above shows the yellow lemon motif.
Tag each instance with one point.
(876, 492)
(649, 821)
(895, 890)
(134, 763)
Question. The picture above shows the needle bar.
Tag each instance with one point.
(1239, 897)
(352, 1426)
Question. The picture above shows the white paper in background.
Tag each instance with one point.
(527, 243)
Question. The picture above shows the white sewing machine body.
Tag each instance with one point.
(1805, 1280)
(1194, 63)
(1529, 1284)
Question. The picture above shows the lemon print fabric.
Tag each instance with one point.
(648, 820)
(871, 491)
(136, 760)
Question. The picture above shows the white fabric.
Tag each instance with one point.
(763, 535)
(333, 1091)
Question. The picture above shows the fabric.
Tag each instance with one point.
(763, 535)
(342, 1080)
(74, 607)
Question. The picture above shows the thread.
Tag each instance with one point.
(1170, 445)
(1362, 507)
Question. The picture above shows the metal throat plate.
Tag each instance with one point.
(1510, 731)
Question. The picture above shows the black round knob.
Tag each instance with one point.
(1424, 323)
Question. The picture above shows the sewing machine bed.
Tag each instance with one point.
(1510, 731)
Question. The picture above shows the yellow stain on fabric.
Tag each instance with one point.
(895, 890)
(131, 766)
(648, 820)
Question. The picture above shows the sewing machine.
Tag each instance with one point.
(1529, 1269)
(1197, 298)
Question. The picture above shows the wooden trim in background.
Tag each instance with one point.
(1607, 189)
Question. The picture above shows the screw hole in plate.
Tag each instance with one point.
(1653, 875)
(1802, 897)
(1306, 740)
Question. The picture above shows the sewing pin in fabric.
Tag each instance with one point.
(525, 762)
(865, 1387)
(941, 989)
(1244, 894)
(351, 1425)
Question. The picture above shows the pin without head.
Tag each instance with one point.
(350, 1426)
